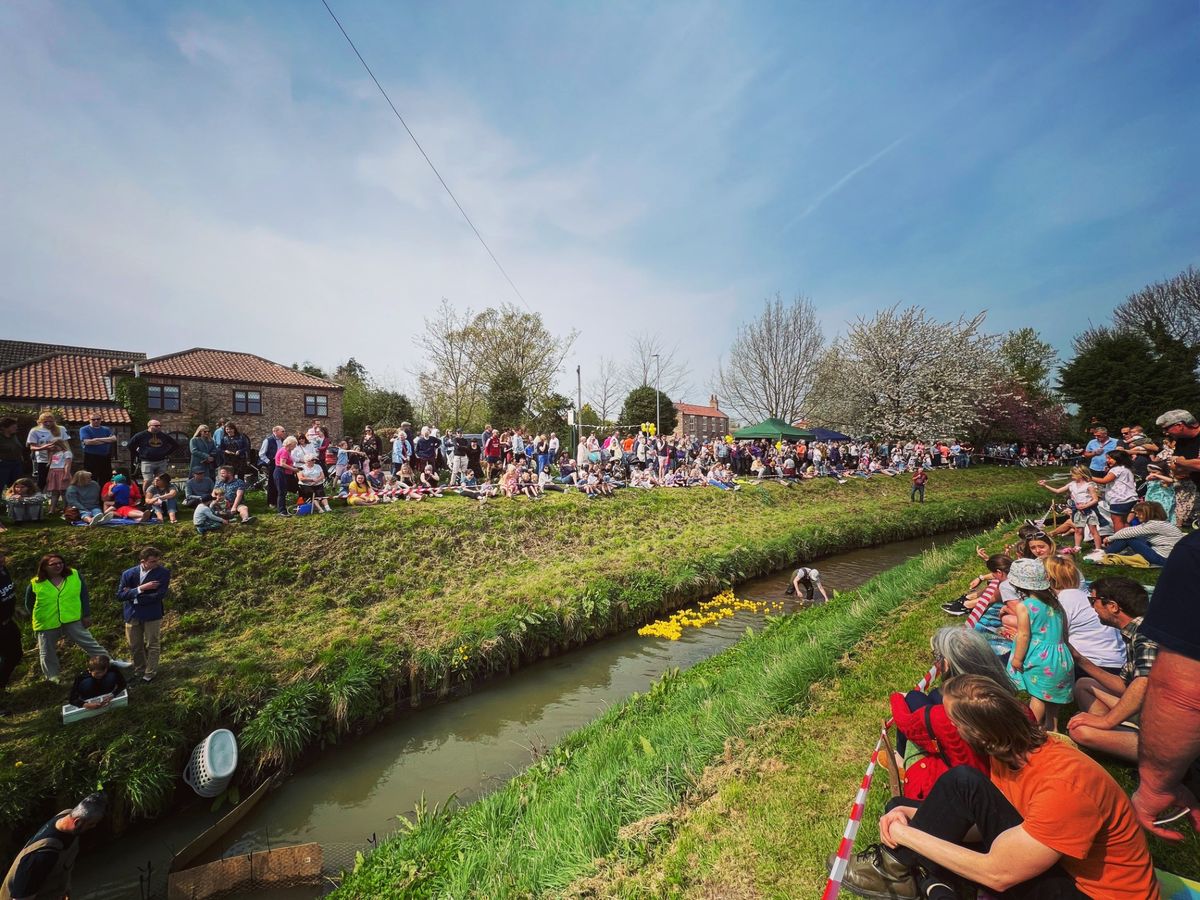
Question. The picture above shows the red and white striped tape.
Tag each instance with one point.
(834, 884)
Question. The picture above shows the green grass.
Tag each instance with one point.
(367, 609)
(770, 813)
(612, 788)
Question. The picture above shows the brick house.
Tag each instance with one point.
(73, 381)
(703, 422)
(200, 385)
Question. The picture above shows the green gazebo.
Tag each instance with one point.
(774, 430)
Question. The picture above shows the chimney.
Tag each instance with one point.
(712, 400)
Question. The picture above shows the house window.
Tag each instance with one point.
(316, 404)
(247, 402)
(163, 396)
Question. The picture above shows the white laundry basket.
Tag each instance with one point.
(213, 762)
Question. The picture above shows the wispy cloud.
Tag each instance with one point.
(846, 179)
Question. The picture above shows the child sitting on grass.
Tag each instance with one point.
(204, 517)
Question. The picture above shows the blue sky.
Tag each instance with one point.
(224, 174)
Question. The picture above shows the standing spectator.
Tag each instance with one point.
(1120, 490)
(218, 434)
(458, 459)
(919, 479)
(266, 458)
(12, 454)
(234, 449)
(1085, 499)
(1170, 740)
(10, 631)
(1182, 427)
(372, 447)
(203, 450)
(98, 441)
(1139, 447)
(43, 867)
(153, 447)
(58, 477)
(285, 470)
(1098, 448)
(425, 450)
(57, 600)
(402, 451)
(316, 432)
(142, 590)
(40, 441)
(1040, 663)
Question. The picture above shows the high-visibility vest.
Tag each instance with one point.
(56, 606)
(59, 879)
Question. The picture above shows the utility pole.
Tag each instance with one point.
(657, 395)
(578, 409)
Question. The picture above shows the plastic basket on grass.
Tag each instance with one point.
(213, 762)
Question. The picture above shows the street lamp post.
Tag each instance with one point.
(657, 394)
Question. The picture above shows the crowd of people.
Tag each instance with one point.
(989, 794)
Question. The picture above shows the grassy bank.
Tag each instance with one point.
(764, 817)
(613, 788)
(298, 632)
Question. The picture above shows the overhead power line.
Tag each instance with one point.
(442, 180)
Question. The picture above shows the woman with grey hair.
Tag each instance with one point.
(927, 741)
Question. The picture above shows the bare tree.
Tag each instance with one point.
(643, 368)
(773, 361)
(604, 391)
(510, 340)
(449, 381)
(1173, 305)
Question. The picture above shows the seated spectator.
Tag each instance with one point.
(99, 679)
(162, 499)
(927, 743)
(121, 494)
(1110, 704)
(25, 502)
(359, 492)
(311, 479)
(1148, 534)
(206, 517)
(1090, 638)
(199, 487)
(429, 482)
(234, 497)
(84, 495)
(1051, 821)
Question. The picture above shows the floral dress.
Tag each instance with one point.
(1048, 670)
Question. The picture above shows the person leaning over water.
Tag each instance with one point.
(43, 867)
(809, 580)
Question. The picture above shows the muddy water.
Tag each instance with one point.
(462, 748)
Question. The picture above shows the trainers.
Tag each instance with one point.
(955, 607)
(120, 663)
(104, 517)
(875, 873)
(147, 678)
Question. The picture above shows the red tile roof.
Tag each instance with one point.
(70, 382)
(64, 377)
(14, 353)
(227, 366)
(690, 409)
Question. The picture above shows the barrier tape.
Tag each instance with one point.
(834, 884)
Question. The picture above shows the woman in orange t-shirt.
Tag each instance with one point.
(1051, 823)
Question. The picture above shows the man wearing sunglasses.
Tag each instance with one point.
(1182, 427)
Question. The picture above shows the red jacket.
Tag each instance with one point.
(943, 748)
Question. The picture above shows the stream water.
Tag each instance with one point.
(462, 748)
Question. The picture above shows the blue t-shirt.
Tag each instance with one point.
(87, 432)
(1097, 462)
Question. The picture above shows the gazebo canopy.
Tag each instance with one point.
(824, 434)
(772, 429)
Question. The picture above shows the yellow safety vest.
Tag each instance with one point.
(56, 606)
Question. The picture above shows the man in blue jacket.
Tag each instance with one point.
(142, 590)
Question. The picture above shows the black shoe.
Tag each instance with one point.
(955, 607)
